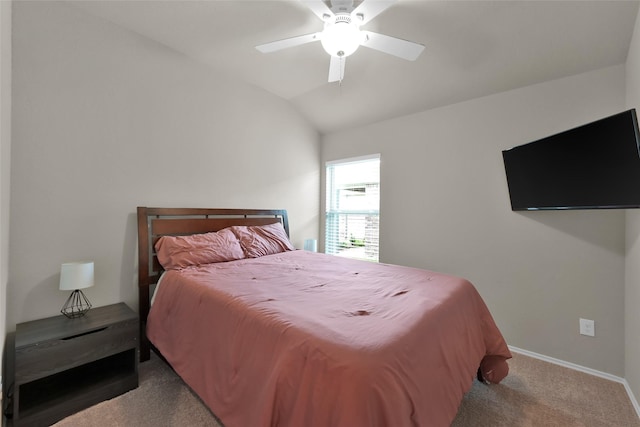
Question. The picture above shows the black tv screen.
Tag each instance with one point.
(595, 166)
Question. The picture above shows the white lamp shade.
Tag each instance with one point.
(341, 39)
(311, 245)
(76, 275)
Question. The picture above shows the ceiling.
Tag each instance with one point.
(473, 48)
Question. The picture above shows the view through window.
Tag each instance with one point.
(353, 208)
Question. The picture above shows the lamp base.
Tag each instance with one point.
(77, 305)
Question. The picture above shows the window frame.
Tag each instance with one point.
(331, 244)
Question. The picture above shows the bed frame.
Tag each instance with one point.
(154, 223)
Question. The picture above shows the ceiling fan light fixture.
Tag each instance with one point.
(342, 37)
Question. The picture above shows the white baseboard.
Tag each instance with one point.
(584, 369)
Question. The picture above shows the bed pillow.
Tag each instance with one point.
(176, 252)
(260, 240)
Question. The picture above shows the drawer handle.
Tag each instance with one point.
(83, 334)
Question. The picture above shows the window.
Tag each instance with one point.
(353, 208)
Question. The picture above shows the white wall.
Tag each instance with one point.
(445, 206)
(632, 263)
(105, 120)
(5, 161)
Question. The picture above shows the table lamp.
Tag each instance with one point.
(75, 276)
(311, 245)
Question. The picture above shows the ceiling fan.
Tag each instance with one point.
(342, 35)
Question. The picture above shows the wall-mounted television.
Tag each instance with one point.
(594, 166)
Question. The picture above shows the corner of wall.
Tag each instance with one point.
(5, 164)
(632, 224)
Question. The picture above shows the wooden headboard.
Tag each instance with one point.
(154, 223)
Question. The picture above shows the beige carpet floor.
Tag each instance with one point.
(536, 394)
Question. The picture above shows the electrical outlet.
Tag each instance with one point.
(588, 327)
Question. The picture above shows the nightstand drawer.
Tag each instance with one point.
(49, 357)
(64, 365)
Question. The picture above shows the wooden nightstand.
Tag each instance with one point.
(64, 365)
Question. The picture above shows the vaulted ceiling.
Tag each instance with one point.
(473, 49)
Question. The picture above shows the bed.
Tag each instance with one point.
(273, 336)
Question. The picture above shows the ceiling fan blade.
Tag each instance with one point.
(369, 9)
(290, 42)
(319, 8)
(393, 46)
(336, 69)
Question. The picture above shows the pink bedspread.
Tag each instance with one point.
(303, 339)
